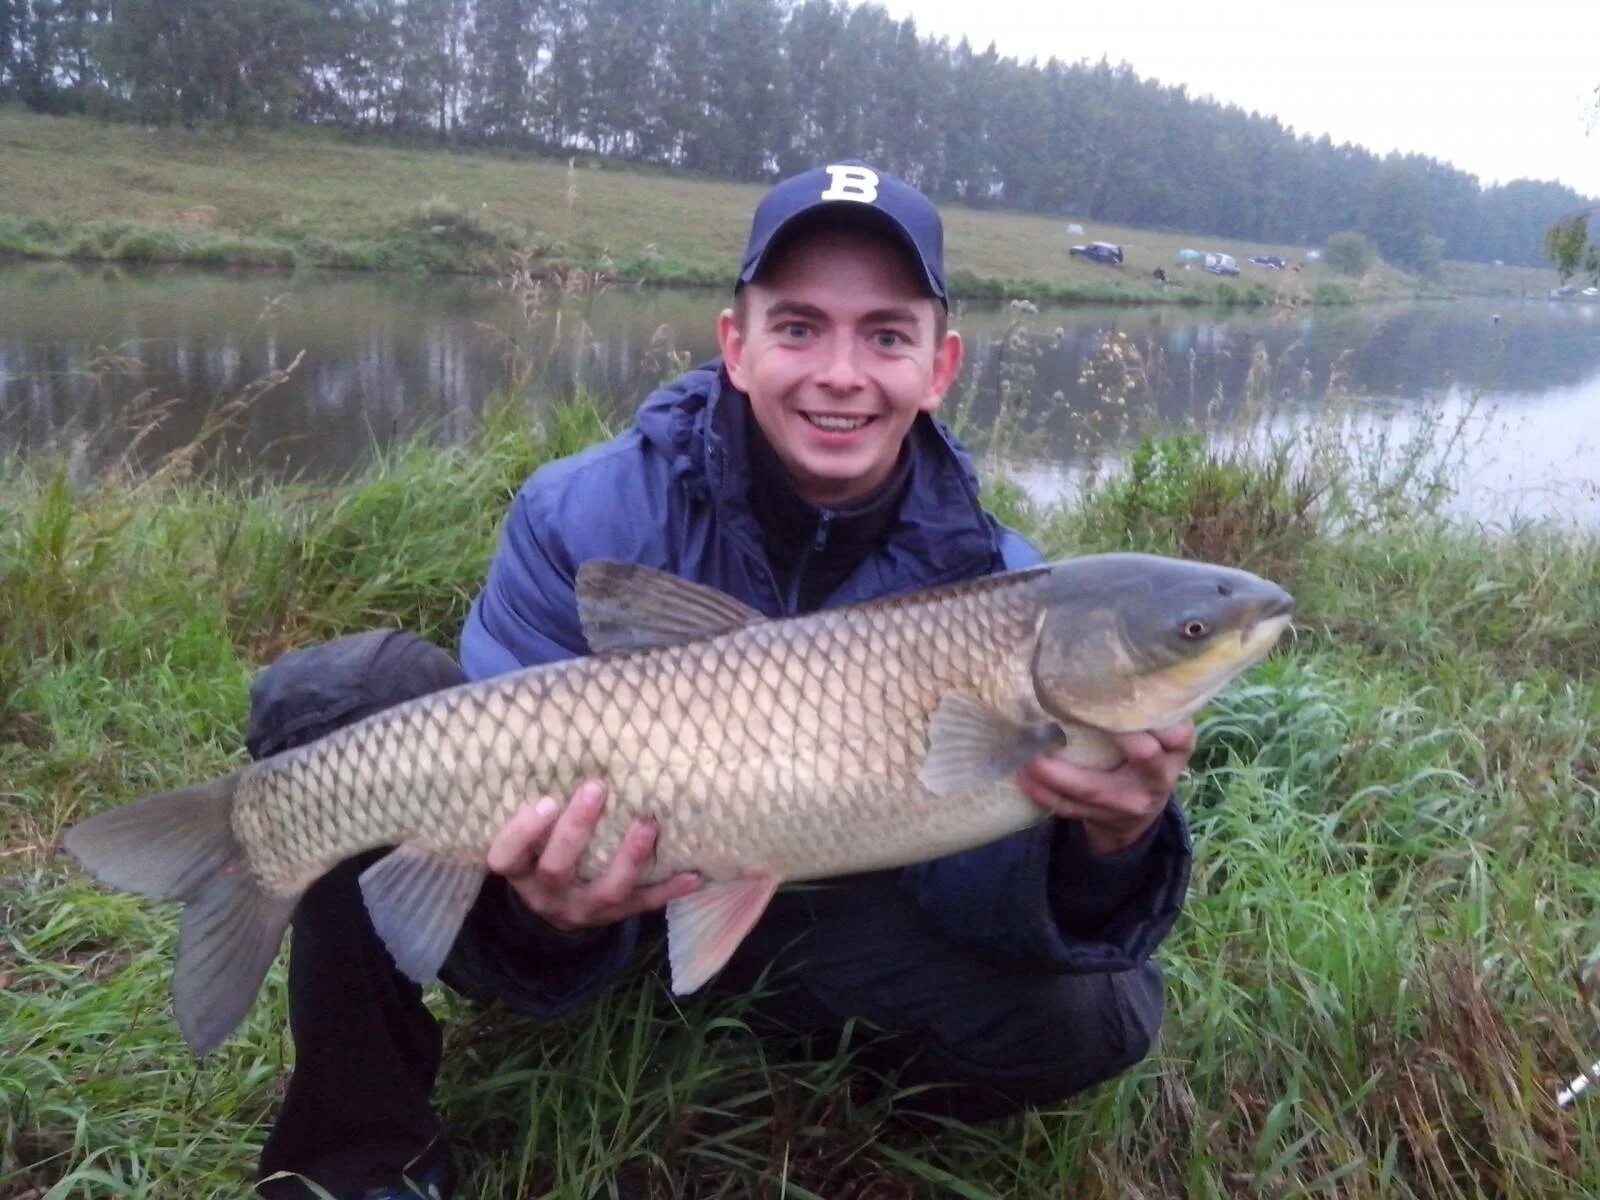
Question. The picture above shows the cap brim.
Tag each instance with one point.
(857, 214)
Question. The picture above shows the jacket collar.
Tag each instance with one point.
(699, 421)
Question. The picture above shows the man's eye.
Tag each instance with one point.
(889, 338)
(794, 330)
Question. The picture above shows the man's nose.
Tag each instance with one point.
(841, 372)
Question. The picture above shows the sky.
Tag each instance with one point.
(1502, 90)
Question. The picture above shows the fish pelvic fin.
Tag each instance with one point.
(181, 846)
(417, 900)
(705, 927)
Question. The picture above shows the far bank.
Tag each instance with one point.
(80, 189)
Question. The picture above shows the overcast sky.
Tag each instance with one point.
(1503, 90)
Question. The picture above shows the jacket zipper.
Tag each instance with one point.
(791, 602)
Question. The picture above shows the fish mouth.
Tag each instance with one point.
(1257, 639)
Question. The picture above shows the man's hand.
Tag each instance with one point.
(538, 853)
(1116, 806)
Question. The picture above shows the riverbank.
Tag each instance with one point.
(77, 188)
(1383, 972)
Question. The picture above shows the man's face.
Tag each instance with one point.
(838, 354)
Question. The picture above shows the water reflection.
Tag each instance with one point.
(386, 356)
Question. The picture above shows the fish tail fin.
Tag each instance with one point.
(181, 846)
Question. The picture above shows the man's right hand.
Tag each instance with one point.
(538, 853)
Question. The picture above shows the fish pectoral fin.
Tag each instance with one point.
(705, 928)
(624, 606)
(417, 899)
(970, 745)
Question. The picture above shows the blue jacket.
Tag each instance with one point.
(670, 493)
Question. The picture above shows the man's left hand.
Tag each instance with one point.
(1118, 805)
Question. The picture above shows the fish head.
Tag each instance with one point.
(1138, 641)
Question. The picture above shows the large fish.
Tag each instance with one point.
(766, 751)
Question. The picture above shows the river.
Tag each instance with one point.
(88, 355)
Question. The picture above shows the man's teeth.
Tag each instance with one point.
(837, 424)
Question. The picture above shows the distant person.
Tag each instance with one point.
(1161, 274)
(801, 469)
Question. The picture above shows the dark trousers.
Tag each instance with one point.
(358, 1110)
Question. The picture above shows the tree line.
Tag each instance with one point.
(748, 89)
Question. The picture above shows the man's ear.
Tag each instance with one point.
(730, 341)
(948, 356)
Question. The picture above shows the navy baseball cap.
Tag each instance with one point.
(843, 190)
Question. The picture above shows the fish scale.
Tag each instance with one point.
(764, 752)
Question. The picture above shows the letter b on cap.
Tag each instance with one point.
(851, 183)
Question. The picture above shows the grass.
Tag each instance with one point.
(1387, 965)
(78, 188)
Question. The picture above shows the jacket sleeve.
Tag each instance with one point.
(526, 615)
(1039, 897)
(527, 612)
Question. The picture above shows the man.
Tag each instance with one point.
(801, 469)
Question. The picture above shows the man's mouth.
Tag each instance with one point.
(833, 424)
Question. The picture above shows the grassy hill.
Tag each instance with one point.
(72, 187)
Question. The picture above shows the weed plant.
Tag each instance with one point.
(1386, 968)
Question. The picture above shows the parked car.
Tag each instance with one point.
(1270, 261)
(1221, 264)
(1106, 253)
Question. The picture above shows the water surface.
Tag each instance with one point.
(87, 355)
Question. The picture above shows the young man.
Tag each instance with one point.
(802, 469)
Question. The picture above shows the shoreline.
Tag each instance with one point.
(163, 245)
(79, 190)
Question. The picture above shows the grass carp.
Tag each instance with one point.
(766, 751)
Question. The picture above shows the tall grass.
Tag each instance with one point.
(1386, 967)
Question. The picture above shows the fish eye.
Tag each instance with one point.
(1194, 629)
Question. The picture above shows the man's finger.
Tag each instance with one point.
(1140, 749)
(659, 895)
(622, 872)
(1050, 774)
(515, 848)
(571, 835)
(1177, 739)
(1069, 790)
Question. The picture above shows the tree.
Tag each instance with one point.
(746, 88)
(13, 14)
(33, 53)
(504, 44)
(1397, 214)
(428, 52)
(1567, 244)
(1348, 252)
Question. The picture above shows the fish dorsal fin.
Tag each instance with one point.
(624, 606)
(970, 745)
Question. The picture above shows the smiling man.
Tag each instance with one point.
(801, 469)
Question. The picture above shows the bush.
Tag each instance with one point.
(1182, 496)
(1430, 258)
(244, 252)
(148, 245)
(1350, 253)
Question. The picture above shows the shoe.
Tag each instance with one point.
(432, 1184)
